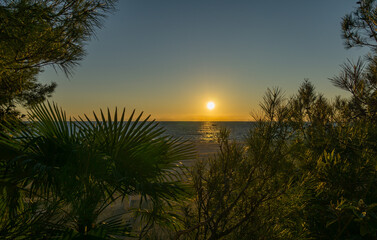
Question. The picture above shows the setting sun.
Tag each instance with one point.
(210, 105)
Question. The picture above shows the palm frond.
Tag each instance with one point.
(86, 165)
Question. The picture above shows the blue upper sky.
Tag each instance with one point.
(170, 57)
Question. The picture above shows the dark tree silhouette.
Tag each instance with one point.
(39, 33)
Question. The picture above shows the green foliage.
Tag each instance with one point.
(359, 27)
(34, 34)
(239, 194)
(74, 170)
(359, 30)
(307, 170)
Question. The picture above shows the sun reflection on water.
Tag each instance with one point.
(209, 131)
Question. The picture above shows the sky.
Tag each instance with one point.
(169, 58)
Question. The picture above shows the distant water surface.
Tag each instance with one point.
(205, 131)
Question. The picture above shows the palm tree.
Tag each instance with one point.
(61, 175)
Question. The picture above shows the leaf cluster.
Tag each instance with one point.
(35, 34)
(76, 170)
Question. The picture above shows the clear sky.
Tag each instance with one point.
(169, 58)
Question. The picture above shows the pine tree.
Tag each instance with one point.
(39, 33)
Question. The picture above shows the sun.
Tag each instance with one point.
(210, 105)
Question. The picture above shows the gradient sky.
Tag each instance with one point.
(169, 58)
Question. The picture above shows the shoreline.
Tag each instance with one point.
(204, 150)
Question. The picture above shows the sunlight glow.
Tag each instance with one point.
(210, 105)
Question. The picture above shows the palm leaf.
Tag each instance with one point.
(87, 165)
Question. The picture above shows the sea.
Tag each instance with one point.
(205, 131)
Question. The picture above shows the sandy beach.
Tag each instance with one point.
(203, 150)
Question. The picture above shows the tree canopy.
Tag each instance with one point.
(39, 33)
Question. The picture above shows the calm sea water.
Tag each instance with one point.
(205, 131)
